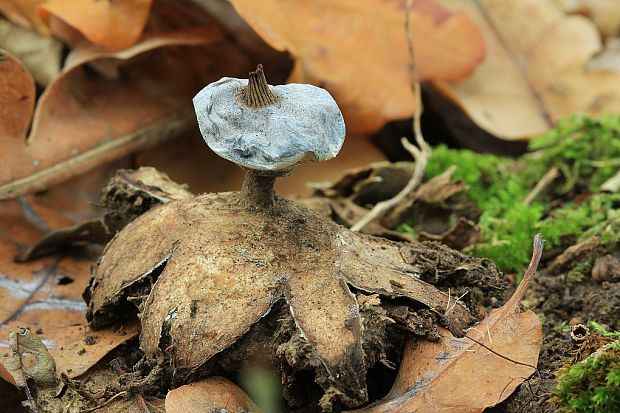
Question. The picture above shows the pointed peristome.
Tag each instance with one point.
(257, 94)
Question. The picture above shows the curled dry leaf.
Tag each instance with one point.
(342, 46)
(429, 210)
(214, 394)
(536, 69)
(45, 295)
(499, 353)
(113, 25)
(371, 183)
(31, 366)
(81, 121)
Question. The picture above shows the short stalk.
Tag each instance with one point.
(257, 190)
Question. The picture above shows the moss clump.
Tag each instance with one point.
(586, 152)
(591, 385)
(496, 187)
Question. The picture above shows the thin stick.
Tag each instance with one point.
(547, 178)
(421, 153)
(110, 400)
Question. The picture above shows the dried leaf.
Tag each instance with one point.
(24, 13)
(372, 183)
(604, 13)
(46, 295)
(461, 236)
(17, 94)
(342, 46)
(607, 59)
(431, 209)
(82, 121)
(42, 369)
(113, 25)
(214, 394)
(536, 68)
(502, 351)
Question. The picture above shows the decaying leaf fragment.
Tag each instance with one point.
(45, 295)
(213, 394)
(204, 271)
(437, 211)
(498, 353)
(29, 363)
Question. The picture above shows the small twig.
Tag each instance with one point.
(547, 178)
(458, 300)
(110, 400)
(421, 153)
(517, 296)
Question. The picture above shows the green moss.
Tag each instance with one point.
(586, 151)
(407, 229)
(602, 330)
(579, 271)
(591, 385)
(496, 188)
(562, 327)
(595, 216)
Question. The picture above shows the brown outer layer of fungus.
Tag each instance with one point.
(226, 263)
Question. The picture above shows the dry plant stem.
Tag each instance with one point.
(110, 400)
(421, 153)
(547, 178)
(539, 243)
(421, 159)
(257, 190)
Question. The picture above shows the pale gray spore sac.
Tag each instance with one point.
(304, 124)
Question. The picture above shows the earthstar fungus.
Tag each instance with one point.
(212, 266)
